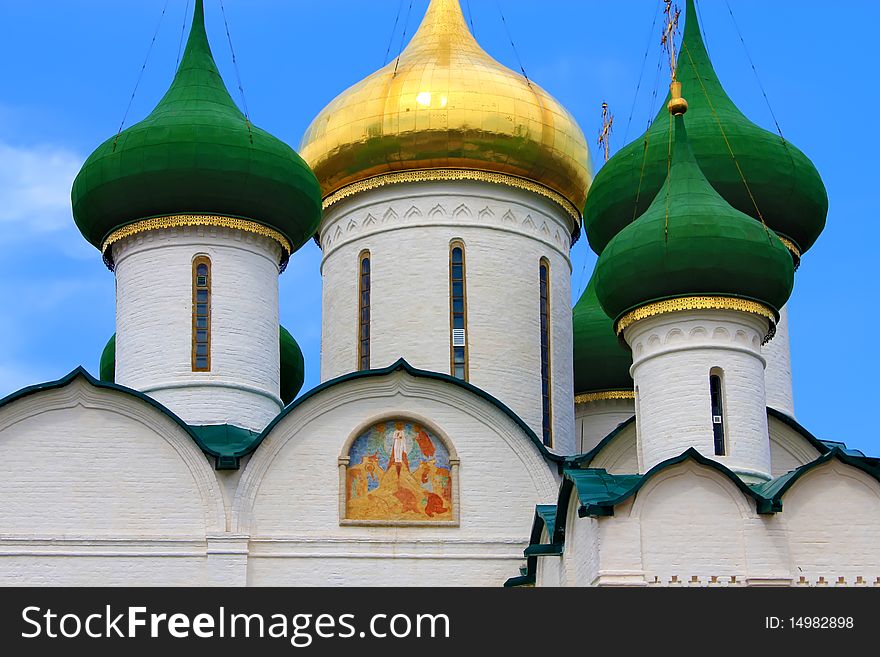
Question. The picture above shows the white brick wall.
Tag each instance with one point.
(154, 324)
(673, 355)
(788, 450)
(777, 376)
(596, 419)
(691, 526)
(100, 487)
(408, 228)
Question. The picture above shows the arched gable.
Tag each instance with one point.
(832, 515)
(81, 457)
(472, 424)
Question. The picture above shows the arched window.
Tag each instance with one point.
(201, 315)
(546, 399)
(364, 310)
(458, 311)
(716, 392)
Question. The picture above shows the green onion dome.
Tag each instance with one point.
(601, 364)
(107, 367)
(690, 242)
(293, 366)
(786, 187)
(196, 154)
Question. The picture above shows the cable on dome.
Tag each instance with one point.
(641, 75)
(686, 50)
(140, 76)
(647, 140)
(393, 32)
(182, 33)
(702, 26)
(515, 51)
(402, 38)
(754, 70)
(247, 116)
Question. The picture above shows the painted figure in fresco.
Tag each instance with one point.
(359, 476)
(398, 449)
(434, 505)
(434, 479)
(424, 442)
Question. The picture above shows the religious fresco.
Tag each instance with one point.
(397, 471)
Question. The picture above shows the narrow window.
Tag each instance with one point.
(547, 418)
(364, 311)
(715, 390)
(201, 312)
(458, 311)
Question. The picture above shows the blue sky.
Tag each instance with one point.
(69, 67)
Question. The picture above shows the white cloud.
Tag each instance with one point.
(35, 187)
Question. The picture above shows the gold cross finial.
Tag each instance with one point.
(605, 134)
(669, 31)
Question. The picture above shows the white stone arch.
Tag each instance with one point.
(691, 467)
(400, 387)
(832, 517)
(686, 533)
(77, 391)
(619, 455)
(789, 449)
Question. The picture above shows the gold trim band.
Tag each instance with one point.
(426, 175)
(179, 220)
(790, 246)
(605, 394)
(697, 303)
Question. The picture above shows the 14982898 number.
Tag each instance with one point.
(821, 622)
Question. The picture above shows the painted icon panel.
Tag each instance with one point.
(398, 471)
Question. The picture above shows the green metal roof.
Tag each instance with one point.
(547, 514)
(402, 365)
(691, 242)
(227, 440)
(785, 185)
(196, 153)
(598, 492)
(600, 362)
(223, 461)
(227, 444)
(776, 488)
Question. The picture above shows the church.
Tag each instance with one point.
(470, 427)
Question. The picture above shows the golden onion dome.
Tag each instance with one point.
(447, 105)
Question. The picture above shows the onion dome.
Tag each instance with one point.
(447, 105)
(601, 364)
(786, 187)
(107, 368)
(690, 244)
(194, 157)
(292, 365)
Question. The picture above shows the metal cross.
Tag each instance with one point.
(669, 31)
(605, 134)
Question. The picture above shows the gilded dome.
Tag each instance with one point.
(446, 104)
